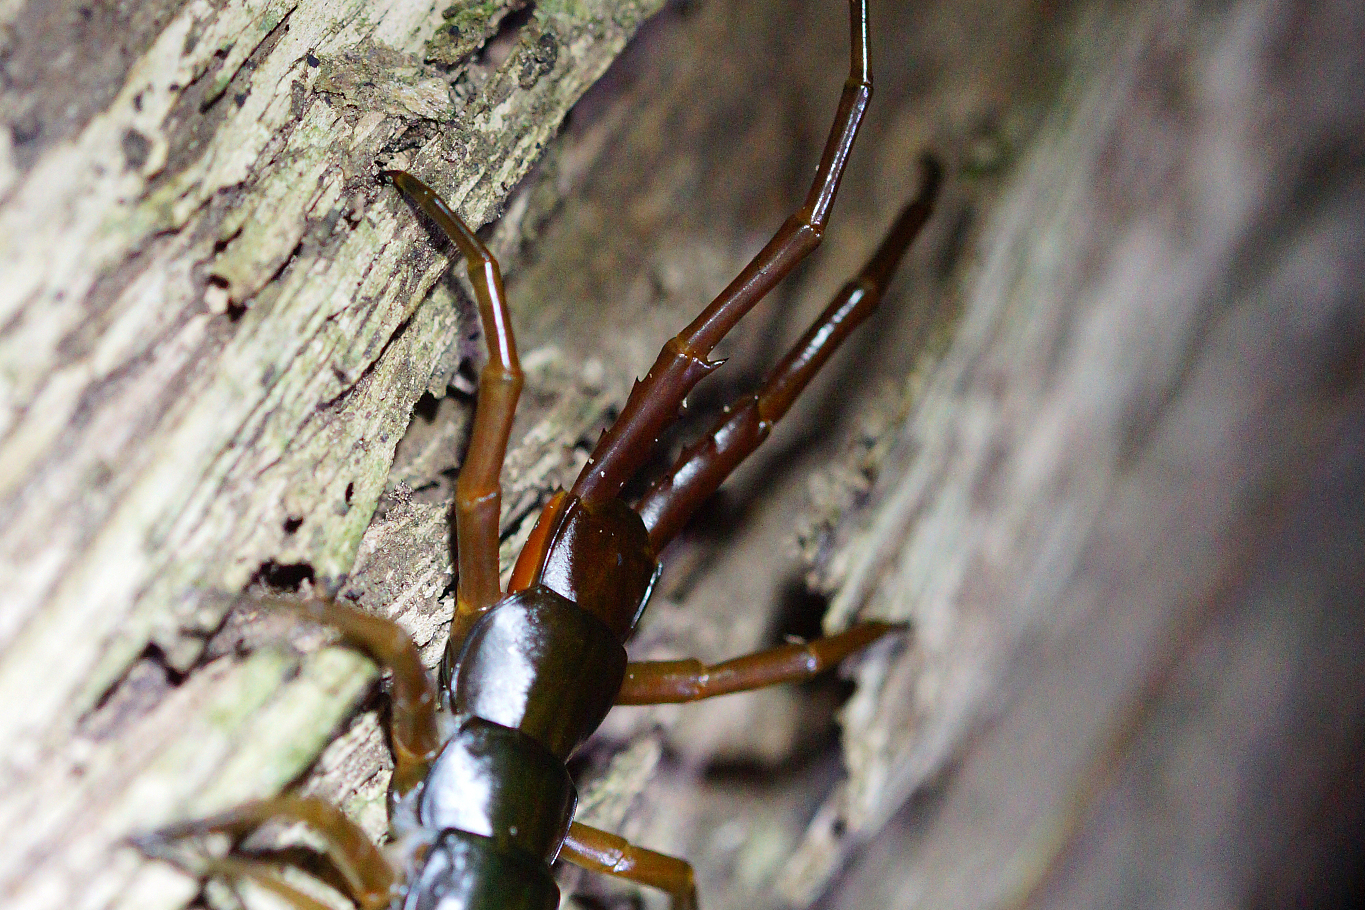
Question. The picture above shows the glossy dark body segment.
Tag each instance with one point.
(525, 655)
(531, 672)
(600, 557)
(464, 870)
(500, 783)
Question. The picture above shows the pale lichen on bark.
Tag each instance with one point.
(214, 333)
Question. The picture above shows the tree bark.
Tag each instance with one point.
(1101, 447)
(216, 325)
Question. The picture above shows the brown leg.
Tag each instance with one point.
(653, 403)
(660, 682)
(478, 492)
(413, 728)
(368, 876)
(598, 851)
(702, 468)
(263, 875)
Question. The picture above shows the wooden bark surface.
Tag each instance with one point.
(216, 325)
(1101, 448)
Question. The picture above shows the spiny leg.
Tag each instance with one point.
(654, 401)
(701, 469)
(600, 851)
(368, 877)
(413, 725)
(478, 492)
(660, 682)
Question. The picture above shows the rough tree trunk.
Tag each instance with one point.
(1102, 448)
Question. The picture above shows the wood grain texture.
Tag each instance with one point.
(1101, 448)
(1125, 519)
(216, 324)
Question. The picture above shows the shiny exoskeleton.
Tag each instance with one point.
(530, 673)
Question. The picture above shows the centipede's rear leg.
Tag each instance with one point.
(746, 423)
(654, 402)
(666, 507)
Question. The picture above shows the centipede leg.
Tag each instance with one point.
(413, 727)
(702, 468)
(600, 851)
(654, 402)
(478, 492)
(263, 875)
(675, 681)
(367, 876)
